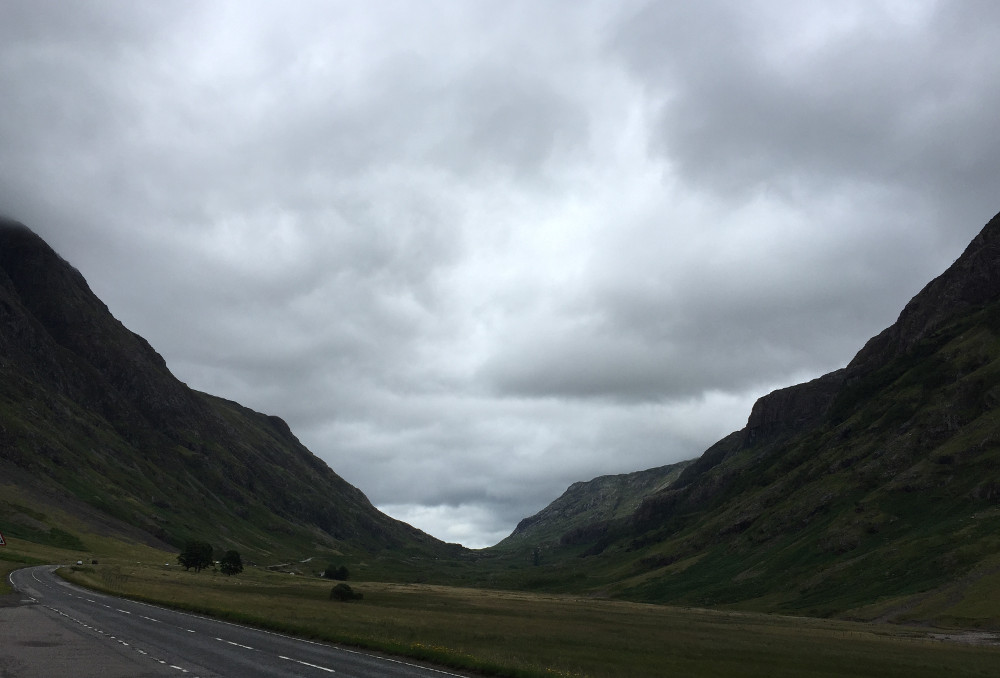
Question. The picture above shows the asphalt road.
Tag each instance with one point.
(58, 629)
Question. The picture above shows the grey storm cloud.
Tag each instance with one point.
(894, 94)
(474, 252)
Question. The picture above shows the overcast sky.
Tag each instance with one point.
(475, 251)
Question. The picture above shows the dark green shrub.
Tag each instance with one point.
(343, 592)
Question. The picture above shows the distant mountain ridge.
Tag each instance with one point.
(876, 480)
(597, 501)
(91, 418)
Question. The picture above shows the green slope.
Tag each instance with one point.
(873, 483)
(92, 421)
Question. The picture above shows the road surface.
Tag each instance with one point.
(58, 629)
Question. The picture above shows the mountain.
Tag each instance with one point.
(94, 425)
(877, 482)
(590, 505)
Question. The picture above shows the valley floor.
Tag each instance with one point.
(529, 634)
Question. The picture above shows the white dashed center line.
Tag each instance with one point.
(313, 666)
(245, 647)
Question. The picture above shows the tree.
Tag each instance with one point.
(231, 563)
(339, 573)
(196, 554)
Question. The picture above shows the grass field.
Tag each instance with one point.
(525, 634)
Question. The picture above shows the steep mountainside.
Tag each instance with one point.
(92, 421)
(876, 481)
(589, 505)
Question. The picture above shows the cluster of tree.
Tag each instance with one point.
(199, 555)
(196, 554)
(338, 572)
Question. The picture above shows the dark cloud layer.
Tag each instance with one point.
(474, 252)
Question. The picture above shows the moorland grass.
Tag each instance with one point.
(527, 634)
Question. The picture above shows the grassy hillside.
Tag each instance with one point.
(876, 487)
(93, 423)
(895, 492)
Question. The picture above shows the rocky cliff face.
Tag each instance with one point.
(793, 409)
(972, 281)
(76, 345)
